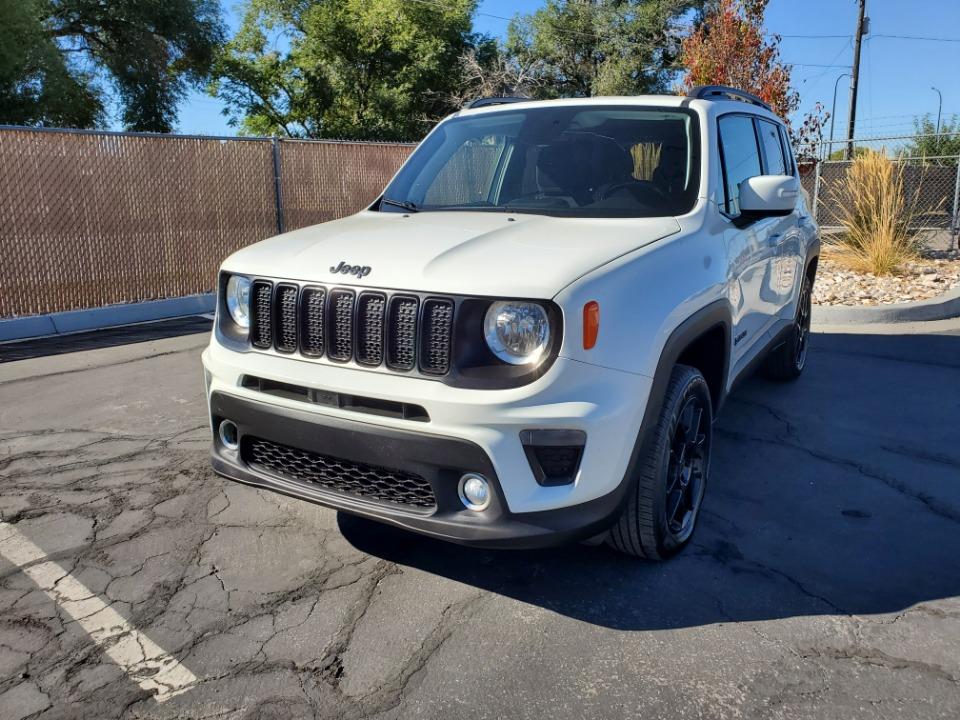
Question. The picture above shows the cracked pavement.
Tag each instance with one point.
(822, 583)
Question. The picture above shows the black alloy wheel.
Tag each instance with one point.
(662, 507)
(803, 326)
(687, 470)
(789, 358)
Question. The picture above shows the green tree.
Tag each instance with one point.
(601, 47)
(926, 143)
(37, 85)
(60, 60)
(343, 68)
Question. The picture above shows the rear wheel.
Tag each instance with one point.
(662, 510)
(787, 361)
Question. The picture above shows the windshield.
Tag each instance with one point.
(577, 161)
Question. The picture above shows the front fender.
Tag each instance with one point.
(644, 298)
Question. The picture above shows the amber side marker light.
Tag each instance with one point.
(591, 324)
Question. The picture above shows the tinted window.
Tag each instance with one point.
(577, 160)
(741, 159)
(772, 149)
(788, 151)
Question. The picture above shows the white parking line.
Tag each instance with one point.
(145, 662)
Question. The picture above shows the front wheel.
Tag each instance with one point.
(662, 510)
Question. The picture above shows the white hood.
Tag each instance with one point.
(469, 253)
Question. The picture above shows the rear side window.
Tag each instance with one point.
(741, 157)
(788, 151)
(776, 163)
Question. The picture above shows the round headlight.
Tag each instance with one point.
(238, 300)
(517, 332)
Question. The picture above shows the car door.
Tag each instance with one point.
(752, 248)
(778, 160)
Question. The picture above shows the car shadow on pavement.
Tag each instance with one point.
(836, 494)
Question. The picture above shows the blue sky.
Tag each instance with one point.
(896, 74)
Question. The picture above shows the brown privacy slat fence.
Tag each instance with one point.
(90, 219)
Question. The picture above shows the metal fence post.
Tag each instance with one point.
(277, 190)
(955, 225)
(816, 191)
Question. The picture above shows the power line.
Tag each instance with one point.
(813, 37)
(917, 37)
(815, 65)
(811, 82)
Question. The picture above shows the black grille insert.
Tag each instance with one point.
(402, 331)
(285, 306)
(370, 316)
(312, 301)
(437, 335)
(344, 476)
(340, 325)
(261, 321)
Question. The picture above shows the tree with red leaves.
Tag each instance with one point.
(728, 48)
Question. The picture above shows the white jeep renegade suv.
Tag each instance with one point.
(526, 339)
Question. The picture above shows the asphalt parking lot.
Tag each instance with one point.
(822, 583)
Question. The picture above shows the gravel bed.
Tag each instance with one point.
(935, 273)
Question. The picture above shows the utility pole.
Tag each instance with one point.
(861, 29)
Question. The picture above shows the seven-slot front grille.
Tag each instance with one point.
(345, 476)
(370, 328)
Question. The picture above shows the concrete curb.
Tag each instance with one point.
(941, 307)
(99, 318)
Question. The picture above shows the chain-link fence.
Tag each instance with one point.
(95, 218)
(929, 166)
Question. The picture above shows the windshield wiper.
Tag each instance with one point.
(406, 205)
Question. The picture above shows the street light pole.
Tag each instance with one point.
(833, 112)
(939, 109)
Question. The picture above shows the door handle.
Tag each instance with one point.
(774, 239)
(803, 221)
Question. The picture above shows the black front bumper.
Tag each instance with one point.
(440, 460)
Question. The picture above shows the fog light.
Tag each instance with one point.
(475, 492)
(229, 435)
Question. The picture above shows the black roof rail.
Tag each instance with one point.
(723, 92)
(488, 101)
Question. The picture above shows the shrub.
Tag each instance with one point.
(876, 216)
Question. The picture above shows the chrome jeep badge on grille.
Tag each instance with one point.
(344, 269)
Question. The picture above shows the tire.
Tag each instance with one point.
(675, 461)
(787, 361)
